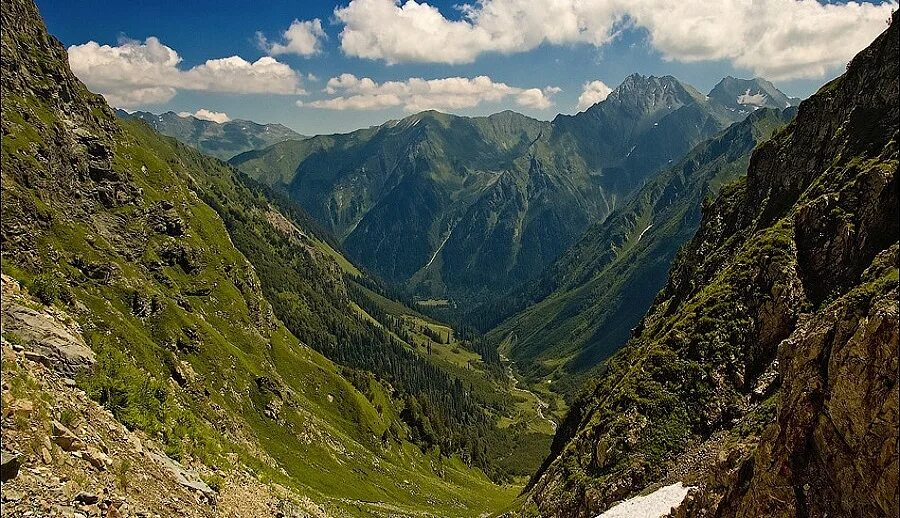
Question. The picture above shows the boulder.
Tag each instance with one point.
(9, 465)
(46, 339)
(86, 498)
(96, 458)
(182, 475)
(65, 438)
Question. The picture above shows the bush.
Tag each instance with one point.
(48, 289)
(141, 401)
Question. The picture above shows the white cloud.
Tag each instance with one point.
(207, 115)
(416, 94)
(537, 98)
(592, 93)
(136, 73)
(776, 38)
(301, 38)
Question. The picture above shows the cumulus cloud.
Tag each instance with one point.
(592, 93)
(136, 73)
(207, 115)
(301, 38)
(416, 94)
(777, 38)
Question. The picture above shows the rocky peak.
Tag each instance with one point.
(647, 94)
(35, 63)
(746, 95)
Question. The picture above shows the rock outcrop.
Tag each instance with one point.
(775, 341)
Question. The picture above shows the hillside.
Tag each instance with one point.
(143, 278)
(582, 308)
(222, 140)
(462, 208)
(765, 371)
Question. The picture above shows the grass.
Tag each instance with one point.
(210, 316)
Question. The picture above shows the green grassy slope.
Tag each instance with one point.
(104, 218)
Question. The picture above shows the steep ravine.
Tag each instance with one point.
(766, 370)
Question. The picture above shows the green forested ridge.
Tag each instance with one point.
(582, 308)
(464, 207)
(314, 297)
(140, 239)
(765, 371)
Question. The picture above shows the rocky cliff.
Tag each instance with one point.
(766, 370)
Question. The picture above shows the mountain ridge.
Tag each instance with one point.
(150, 253)
(487, 201)
(222, 140)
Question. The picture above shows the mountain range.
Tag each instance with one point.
(465, 207)
(222, 140)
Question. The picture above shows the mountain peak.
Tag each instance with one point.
(745, 95)
(648, 94)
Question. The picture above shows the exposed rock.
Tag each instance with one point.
(164, 219)
(176, 254)
(86, 498)
(65, 438)
(183, 476)
(97, 458)
(41, 333)
(9, 465)
(102, 272)
(18, 407)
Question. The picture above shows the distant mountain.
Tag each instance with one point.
(221, 140)
(465, 207)
(746, 95)
(765, 373)
(582, 308)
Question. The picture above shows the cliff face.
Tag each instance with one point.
(774, 342)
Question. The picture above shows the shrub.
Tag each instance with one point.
(49, 289)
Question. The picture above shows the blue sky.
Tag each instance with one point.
(533, 66)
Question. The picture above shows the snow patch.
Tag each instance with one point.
(645, 230)
(748, 99)
(656, 504)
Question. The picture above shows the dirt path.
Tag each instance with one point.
(540, 404)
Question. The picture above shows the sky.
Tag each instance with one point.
(334, 66)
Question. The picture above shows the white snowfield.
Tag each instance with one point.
(656, 504)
